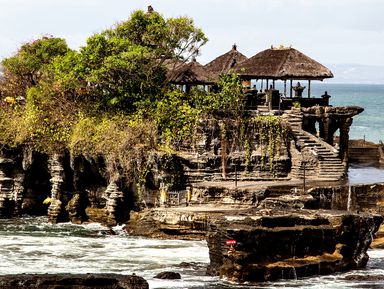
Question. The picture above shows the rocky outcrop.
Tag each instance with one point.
(76, 209)
(11, 183)
(168, 275)
(115, 201)
(272, 245)
(171, 223)
(68, 281)
(356, 198)
(64, 188)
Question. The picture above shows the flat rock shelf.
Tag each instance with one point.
(68, 281)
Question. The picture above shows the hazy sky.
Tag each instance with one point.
(330, 31)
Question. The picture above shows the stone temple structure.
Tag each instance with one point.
(317, 144)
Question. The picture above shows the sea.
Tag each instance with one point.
(368, 125)
(32, 245)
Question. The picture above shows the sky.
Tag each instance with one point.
(330, 31)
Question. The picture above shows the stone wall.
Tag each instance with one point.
(232, 150)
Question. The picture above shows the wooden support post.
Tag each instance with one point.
(273, 82)
(285, 88)
(309, 88)
(290, 90)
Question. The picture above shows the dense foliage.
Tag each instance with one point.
(112, 96)
(26, 68)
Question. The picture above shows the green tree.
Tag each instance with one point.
(176, 118)
(227, 99)
(122, 68)
(26, 68)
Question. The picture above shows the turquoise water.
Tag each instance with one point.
(370, 123)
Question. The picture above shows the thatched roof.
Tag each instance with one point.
(283, 63)
(172, 64)
(192, 73)
(226, 62)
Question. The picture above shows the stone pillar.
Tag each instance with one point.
(323, 128)
(345, 125)
(18, 189)
(114, 204)
(328, 131)
(56, 208)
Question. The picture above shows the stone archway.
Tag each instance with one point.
(331, 120)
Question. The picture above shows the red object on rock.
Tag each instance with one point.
(231, 243)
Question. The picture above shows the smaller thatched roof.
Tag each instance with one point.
(283, 63)
(191, 73)
(226, 62)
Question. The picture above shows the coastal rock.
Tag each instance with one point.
(192, 265)
(76, 209)
(304, 244)
(356, 198)
(68, 281)
(170, 223)
(114, 203)
(168, 275)
(56, 209)
(11, 183)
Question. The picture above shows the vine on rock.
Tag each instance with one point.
(270, 132)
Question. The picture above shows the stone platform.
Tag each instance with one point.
(71, 281)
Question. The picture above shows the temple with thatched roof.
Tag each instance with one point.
(189, 74)
(226, 63)
(283, 63)
(312, 120)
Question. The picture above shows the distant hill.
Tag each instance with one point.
(357, 73)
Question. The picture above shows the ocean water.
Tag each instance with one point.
(31, 245)
(368, 125)
(365, 175)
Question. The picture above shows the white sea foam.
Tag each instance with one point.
(33, 246)
(365, 175)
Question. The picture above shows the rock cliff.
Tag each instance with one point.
(288, 245)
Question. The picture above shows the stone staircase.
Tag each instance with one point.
(329, 166)
(263, 109)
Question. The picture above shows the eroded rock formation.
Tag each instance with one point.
(289, 245)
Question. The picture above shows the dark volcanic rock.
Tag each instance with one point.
(168, 275)
(193, 265)
(68, 281)
(167, 223)
(290, 244)
(370, 278)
